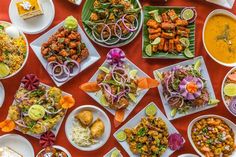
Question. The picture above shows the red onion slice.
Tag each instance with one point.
(175, 141)
(77, 68)
(232, 106)
(125, 20)
(64, 77)
(129, 35)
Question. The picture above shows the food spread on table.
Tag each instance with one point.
(169, 31)
(13, 49)
(213, 137)
(229, 91)
(86, 131)
(28, 8)
(113, 22)
(119, 85)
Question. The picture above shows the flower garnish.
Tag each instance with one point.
(175, 141)
(116, 56)
(67, 102)
(31, 82)
(47, 139)
(190, 87)
(7, 125)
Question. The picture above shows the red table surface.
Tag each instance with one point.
(134, 53)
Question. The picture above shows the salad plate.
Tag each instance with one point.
(84, 136)
(15, 43)
(177, 95)
(227, 91)
(2, 94)
(80, 53)
(201, 128)
(58, 150)
(120, 25)
(225, 3)
(18, 144)
(114, 152)
(38, 108)
(117, 85)
(139, 122)
(169, 32)
(35, 24)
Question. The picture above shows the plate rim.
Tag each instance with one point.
(3, 94)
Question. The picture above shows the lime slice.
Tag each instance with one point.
(159, 75)
(173, 112)
(185, 42)
(197, 65)
(133, 73)
(188, 53)
(230, 89)
(213, 101)
(188, 14)
(4, 70)
(148, 50)
(156, 41)
(121, 136)
(115, 153)
(132, 97)
(151, 110)
(103, 101)
(104, 69)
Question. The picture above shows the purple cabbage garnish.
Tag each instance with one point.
(175, 141)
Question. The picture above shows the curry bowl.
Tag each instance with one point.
(221, 40)
(224, 120)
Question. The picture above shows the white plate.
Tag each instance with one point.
(17, 143)
(2, 94)
(227, 121)
(97, 113)
(209, 87)
(27, 52)
(36, 24)
(213, 13)
(56, 128)
(188, 155)
(136, 119)
(110, 152)
(222, 90)
(92, 58)
(60, 148)
(96, 96)
(225, 3)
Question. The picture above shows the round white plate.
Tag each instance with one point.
(36, 24)
(2, 94)
(227, 121)
(17, 143)
(188, 155)
(222, 90)
(60, 148)
(97, 113)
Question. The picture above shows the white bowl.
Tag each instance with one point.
(222, 90)
(227, 121)
(60, 148)
(2, 94)
(18, 143)
(97, 113)
(26, 56)
(213, 13)
(188, 155)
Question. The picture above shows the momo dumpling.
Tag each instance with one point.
(85, 117)
(97, 128)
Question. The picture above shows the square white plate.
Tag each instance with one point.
(209, 87)
(136, 119)
(96, 96)
(110, 152)
(225, 3)
(92, 58)
(56, 128)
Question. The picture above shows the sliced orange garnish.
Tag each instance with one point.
(119, 117)
(7, 125)
(146, 83)
(67, 102)
(90, 87)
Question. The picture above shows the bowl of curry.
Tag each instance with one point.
(219, 37)
(213, 136)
